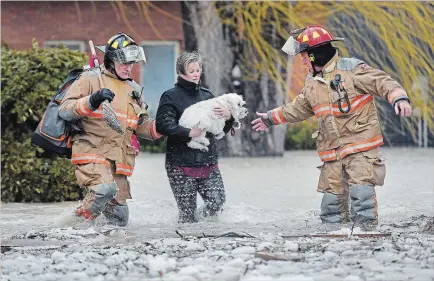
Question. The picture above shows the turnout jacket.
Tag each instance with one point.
(97, 142)
(341, 134)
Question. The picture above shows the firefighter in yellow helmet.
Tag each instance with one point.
(103, 157)
(340, 93)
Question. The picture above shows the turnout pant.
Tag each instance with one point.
(185, 188)
(107, 193)
(350, 182)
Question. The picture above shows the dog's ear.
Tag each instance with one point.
(229, 101)
(233, 101)
(239, 101)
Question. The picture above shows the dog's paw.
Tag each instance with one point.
(197, 145)
(194, 145)
(204, 141)
(219, 136)
(204, 149)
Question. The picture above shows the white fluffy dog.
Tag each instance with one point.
(201, 115)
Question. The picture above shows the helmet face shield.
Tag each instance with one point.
(128, 55)
(292, 47)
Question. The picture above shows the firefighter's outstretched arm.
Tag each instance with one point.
(146, 128)
(378, 83)
(298, 110)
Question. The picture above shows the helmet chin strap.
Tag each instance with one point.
(113, 70)
(311, 60)
(315, 72)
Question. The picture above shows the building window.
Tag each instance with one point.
(158, 74)
(70, 44)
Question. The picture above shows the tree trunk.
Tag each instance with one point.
(213, 41)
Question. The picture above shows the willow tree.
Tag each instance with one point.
(394, 36)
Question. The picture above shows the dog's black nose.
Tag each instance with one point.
(236, 124)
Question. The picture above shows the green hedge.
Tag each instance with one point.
(299, 135)
(28, 82)
(157, 146)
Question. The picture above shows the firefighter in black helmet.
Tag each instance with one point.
(104, 158)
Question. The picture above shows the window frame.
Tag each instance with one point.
(56, 43)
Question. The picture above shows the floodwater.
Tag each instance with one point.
(275, 194)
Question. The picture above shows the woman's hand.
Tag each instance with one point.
(222, 112)
(195, 132)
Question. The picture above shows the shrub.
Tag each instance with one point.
(29, 80)
(299, 135)
(157, 146)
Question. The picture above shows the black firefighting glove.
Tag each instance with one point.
(97, 98)
(142, 117)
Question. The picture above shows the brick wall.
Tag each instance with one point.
(98, 21)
